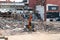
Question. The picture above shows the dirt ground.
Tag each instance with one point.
(35, 36)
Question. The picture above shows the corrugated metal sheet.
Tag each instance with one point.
(40, 10)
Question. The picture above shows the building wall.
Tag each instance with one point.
(53, 3)
(32, 3)
(57, 2)
(50, 3)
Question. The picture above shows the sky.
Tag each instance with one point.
(15, 0)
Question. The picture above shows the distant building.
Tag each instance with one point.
(11, 6)
(18, 7)
(52, 9)
(36, 6)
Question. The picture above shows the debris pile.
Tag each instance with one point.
(9, 23)
(10, 26)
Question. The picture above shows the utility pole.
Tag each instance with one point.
(44, 10)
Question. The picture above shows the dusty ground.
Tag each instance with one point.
(35, 36)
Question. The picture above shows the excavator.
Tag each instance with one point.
(30, 26)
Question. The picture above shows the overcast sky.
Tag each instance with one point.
(15, 0)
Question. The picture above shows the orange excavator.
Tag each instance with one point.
(29, 22)
(30, 25)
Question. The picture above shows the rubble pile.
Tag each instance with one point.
(10, 26)
(52, 26)
(9, 23)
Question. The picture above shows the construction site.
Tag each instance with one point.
(30, 20)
